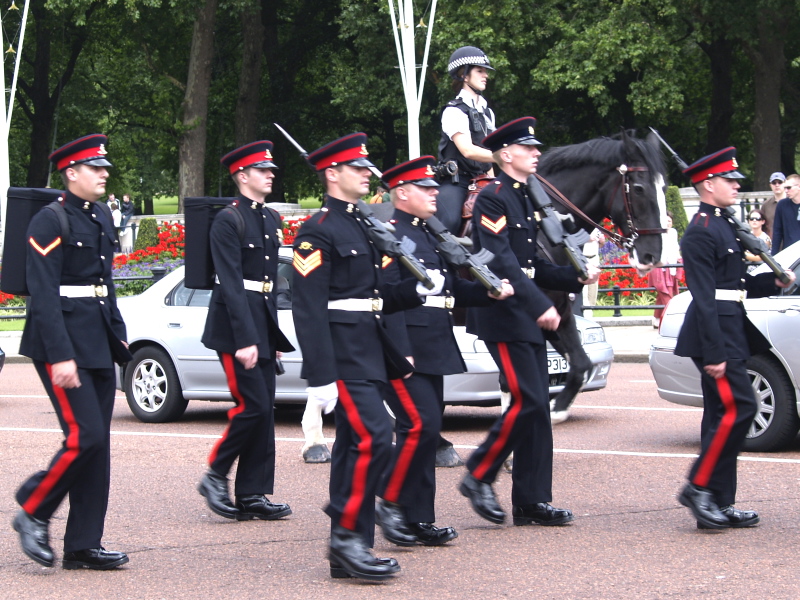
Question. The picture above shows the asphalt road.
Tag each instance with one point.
(620, 461)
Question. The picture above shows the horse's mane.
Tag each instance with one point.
(603, 151)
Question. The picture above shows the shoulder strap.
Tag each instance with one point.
(237, 216)
(61, 214)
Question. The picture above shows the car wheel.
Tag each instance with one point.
(776, 423)
(152, 387)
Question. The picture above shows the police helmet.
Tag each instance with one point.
(467, 56)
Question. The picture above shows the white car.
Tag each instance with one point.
(774, 374)
(171, 366)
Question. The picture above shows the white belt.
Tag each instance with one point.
(439, 302)
(732, 295)
(356, 304)
(264, 287)
(83, 291)
(529, 272)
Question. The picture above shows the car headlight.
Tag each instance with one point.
(593, 335)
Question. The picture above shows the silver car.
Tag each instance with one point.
(774, 374)
(171, 366)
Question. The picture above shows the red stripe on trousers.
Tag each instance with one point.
(408, 450)
(510, 417)
(72, 444)
(233, 386)
(359, 484)
(711, 458)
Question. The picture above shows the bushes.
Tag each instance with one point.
(147, 235)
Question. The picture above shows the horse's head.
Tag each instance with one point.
(621, 178)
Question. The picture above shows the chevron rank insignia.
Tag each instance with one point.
(387, 260)
(493, 226)
(306, 264)
(46, 250)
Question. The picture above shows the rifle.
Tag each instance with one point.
(750, 242)
(384, 241)
(553, 230)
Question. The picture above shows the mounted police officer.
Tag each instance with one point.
(504, 222)
(74, 333)
(339, 299)
(719, 338)
(466, 120)
(406, 511)
(242, 326)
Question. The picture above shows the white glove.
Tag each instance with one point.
(323, 396)
(438, 283)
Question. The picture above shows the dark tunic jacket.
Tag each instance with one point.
(88, 330)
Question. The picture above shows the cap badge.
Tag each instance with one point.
(267, 155)
(429, 171)
(364, 150)
(102, 149)
(734, 163)
(530, 130)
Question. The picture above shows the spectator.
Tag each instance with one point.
(756, 221)
(591, 250)
(786, 228)
(665, 280)
(117, 216)
(776, 181)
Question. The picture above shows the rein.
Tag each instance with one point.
(621, 241)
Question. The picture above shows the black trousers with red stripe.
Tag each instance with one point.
(360, 455)
(729, 407)
(410, 479)
(524, 428)
(250, 434)
(81, 468)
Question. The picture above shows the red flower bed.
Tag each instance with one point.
(290, 228)
(171, 245)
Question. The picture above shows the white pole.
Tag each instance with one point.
(425, 56)
(16, 66)
(407, 35)
(397, 44)
(5, 177)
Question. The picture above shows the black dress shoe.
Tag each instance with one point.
(98, 559)
(446, 456)
(258, 507)
(350, 554)
(338, 572)
(737, 518)
(703, 506)
(429, 535)
(482, 497)
(34, 538)
(393, 524)
(214, 487)
(541, 514)
(317, 453)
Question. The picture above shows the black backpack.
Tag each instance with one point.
(199, 214)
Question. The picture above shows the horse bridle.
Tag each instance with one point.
(621, 241)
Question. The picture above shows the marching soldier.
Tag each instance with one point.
(339, 297)
(406, 511)
(719, 338)
(504, 221)
(74, 334)
(242, 326)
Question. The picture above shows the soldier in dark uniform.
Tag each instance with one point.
(504, 221)
(242, 326)
(339, 297)
(406, 511)
(74, 334)
(719, 338)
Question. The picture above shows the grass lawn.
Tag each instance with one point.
(633, 312)
(165, 205)
(12, 324)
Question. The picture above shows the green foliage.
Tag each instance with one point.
(675, 206)
(147, 235)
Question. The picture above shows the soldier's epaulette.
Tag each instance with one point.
(498, 186)
(700, 219)
(324, 213)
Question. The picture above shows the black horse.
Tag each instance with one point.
(621, 178)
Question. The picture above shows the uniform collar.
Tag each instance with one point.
(336, 205)
(479, 103)
(509, 181)
(245, 201)
(77, 202)
(402, 216)
(710, 209)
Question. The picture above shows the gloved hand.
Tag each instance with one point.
(324, 396)
(438, 283)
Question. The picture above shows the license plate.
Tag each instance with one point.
(558, 364)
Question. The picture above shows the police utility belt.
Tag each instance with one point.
(263, 287)
(730, 295)
(83, 291)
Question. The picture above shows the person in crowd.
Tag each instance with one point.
(666, 280)
(756, 220)
(242, 326)
(719, 338)
(786, 228)
(74, 333)
(339, 301)
(505, 223)
(776, 182)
